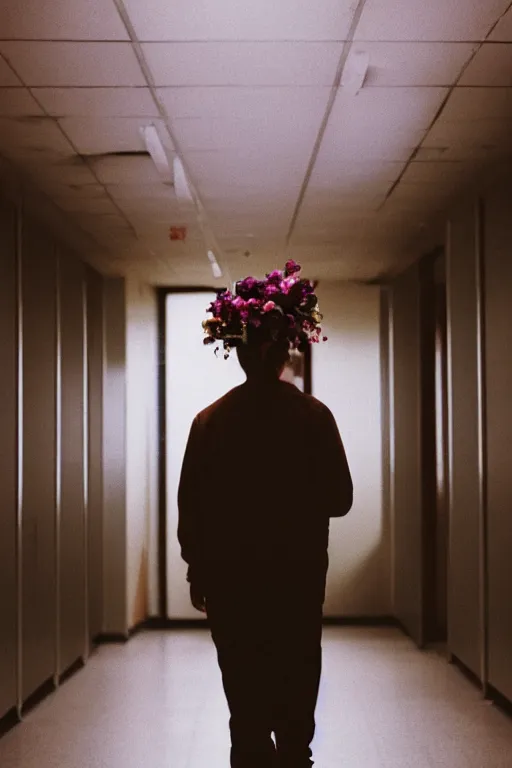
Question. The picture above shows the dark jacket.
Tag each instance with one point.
(263, 472)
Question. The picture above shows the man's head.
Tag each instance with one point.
(263, 359)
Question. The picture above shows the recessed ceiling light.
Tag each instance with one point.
(355, 71)
(156, 149)
(216, 270)
(181, 185)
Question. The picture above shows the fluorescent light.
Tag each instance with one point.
(181, 185)
(216, 270)
(158, 154)
(355, 71)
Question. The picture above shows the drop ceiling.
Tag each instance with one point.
(284, 158)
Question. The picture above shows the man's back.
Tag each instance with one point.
(265, 469)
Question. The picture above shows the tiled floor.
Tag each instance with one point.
(158, 702)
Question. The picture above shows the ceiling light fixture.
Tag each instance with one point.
(181, 185)
(355, 71)
(216, 270)
(157, 152)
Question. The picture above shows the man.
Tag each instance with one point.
(264, 471)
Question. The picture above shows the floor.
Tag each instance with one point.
(158, 702)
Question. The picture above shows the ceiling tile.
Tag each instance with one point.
(249, 64)
(70, 175)
(149, 206)
(103, 135)
(468, 104)
(417, 196)
(242, 171)
(94, 205)
(435, 173)
(33, 140)
(482, 139)
(492, 66)
(74, 64)
(435, 20)
(503, 30)
(232, 20)
(285, 135)
(7, 76)
(111, 225)
(137, 192)
(125, 170)
(413, 64)
(243, 103)
(17, 102)
(97, 102)
(340, 176)
(55, 188)
(379, 123)
(61, 20)
(395, 108)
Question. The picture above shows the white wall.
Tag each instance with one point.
(347, 378)
(115, 606)
(195, 379)
(141, 450)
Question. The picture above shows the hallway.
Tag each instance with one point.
(158, 701)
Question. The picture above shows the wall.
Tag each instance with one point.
(39, 520)
(463, 298)
(347, 378)
(115, 599)
(498, 386)
(58, 369)
(479, 286)
(8, 457)
(406, 383)
(95, 365)
(72, 512)
(141, 450)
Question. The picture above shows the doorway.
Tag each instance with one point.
(194, 378)
(191, 377)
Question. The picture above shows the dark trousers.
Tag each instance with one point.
(267, 631)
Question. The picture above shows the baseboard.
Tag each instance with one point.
(44, 690)
(491, 693)
(105, 638)
(9, 721)
(466, 671)
(499, 700)
(360, 621)
(157, 622)
(71, 670)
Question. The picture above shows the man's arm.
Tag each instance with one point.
(336, 488)
(190, 503)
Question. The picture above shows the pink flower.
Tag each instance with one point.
(292, 267)
(269, 306)
(275, 277)
(238, 303)
(287, 284)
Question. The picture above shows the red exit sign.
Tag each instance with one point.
(178, 233)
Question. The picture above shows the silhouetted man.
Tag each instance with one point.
(264, 470)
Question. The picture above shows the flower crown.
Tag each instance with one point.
(283, 306)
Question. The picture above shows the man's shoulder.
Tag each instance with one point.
(226, 401)
(308, 403)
